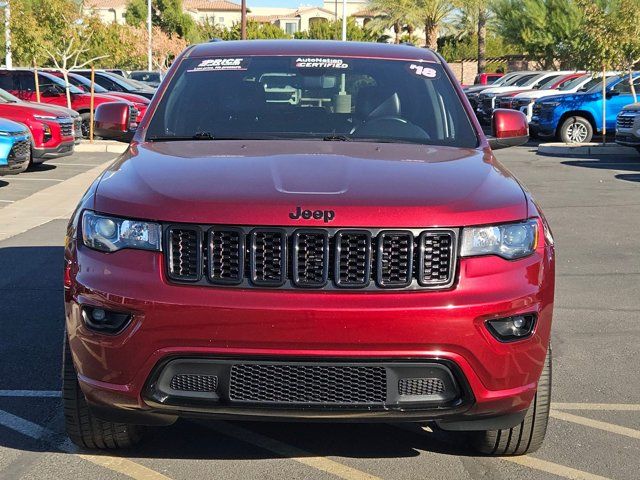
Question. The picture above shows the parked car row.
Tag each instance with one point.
(563, 105)
(52, 128)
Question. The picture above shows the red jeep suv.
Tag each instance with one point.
(309, 230)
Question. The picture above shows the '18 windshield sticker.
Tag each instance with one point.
(423, 71)
(319, 62)
(220, 64)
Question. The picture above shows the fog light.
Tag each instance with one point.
(512, 328)
(104, 321)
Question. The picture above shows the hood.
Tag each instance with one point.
(632, 106)
(262, 182)
(48, 108)
(573, 98)
(538, 93)
(99, 98)
(9, 126)
(498, 90)
(132, 97)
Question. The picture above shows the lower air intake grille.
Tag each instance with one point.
(20, 150)
(280, 383)
(194, 383)
(420, 386)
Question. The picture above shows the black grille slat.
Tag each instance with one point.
(310, 264)
(310, 258)
(66, 129)
(20, 150)
(352, 258)
(420, 386)
(435, 262)
(394, 263)
(194, 383)
(185, 254)
(226, 252)
(624, 121)
(319, 384)
(268, 257)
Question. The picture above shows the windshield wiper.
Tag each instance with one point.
(336, 138)
(176, 138)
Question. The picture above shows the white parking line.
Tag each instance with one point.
(553, 468)
(36, 179)
(607, 407)
(29, 393)
(293, 453)
(588, 422)
(116, 464)
(7, 201)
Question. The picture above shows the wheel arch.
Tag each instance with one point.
(577, 113)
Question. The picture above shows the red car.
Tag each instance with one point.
(141, 103)
(21, 83)
(352, 252)
(52, 128)
(487, 78)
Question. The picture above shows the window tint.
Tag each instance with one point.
(624, 88)
(6, 81)
(524, 79)
(301, 98)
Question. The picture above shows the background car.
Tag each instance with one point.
(51, 128)
(116, 83)
(487, 78)
(628, 126)
(83, 83)
(21, 83)
(15, 147)
(152, 79)
(576, 117)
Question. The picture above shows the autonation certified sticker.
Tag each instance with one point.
(221, 64)
(320, 62)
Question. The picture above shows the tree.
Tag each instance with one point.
(398, 14)
(165, 48)
(432, 13)
(333, 29)
(475, 14)
(256, 30)
(166, 14)
(547, 30)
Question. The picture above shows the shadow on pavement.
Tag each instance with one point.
(611, 162)
(41, 167)
(3, 183)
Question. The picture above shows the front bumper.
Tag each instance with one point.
(117, 373)
(40, 154)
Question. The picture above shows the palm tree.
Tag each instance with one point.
(398, 14)
(432, 13)
(475, 14)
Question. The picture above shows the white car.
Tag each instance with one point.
(532, 80)
(524, 101)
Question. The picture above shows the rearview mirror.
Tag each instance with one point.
(113, 121)
(509, 128)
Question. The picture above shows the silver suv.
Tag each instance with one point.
(628, 126)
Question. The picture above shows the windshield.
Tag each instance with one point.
(574, 83)
(595, 85)
(52, 80)
(145, 76)
(550, 82)
(523, 80)
(85, 83)
(6, 97)
(288, 97)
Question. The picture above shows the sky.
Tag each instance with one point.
(280, 3)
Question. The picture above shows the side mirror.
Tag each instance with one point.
(509, 128)
(50, 91)
(611, 93)
(113, 121)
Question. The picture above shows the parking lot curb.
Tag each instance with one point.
(101, 146)
(586, 149)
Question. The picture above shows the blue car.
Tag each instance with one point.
(15, 147)
(575, 118)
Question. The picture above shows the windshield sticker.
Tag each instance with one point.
(221, 65)
(423, 71)
(320, 62)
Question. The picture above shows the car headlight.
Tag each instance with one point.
(549, 104)
(510, 241)
(109, 234)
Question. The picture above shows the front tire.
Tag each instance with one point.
(528, 436)
(576, 130)
(83, 428)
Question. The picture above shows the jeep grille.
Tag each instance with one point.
(313, 258)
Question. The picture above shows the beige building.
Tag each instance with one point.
(290, 20)
(109, 11)
(218, 12)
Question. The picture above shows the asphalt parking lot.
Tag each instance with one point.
(593, 206)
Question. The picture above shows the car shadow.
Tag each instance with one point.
(3, 183)
(611, 162)
(41, 167)
(31, 345)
